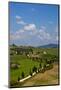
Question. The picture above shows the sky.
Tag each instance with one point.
(33, 24)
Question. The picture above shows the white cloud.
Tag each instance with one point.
(40, 37)
(56, 38)
(18, 17)
(31, 34)
(56, 35)
(19, 31)
(16, 36)
(26, 32)
(34, 32)
(20, 35)
(30, 31)
(21, 22)
(11, 36)
(30, 27)
(43, 27)
(43, 35)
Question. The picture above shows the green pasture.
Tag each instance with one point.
(52, 51)
(25, 66)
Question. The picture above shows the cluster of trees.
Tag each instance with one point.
(20, 51)
(44, 57)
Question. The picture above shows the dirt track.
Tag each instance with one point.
(47, 78)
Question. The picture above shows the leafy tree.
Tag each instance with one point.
(30, 73)
(18, 78)
(34, 69)
(13, 45)
(22, 74)
(40, 65)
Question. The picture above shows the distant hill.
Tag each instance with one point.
(49, 46)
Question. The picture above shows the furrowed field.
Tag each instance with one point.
(21, 64)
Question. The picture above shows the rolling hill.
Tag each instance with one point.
(49, 46)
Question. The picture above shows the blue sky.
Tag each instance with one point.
(33, 24)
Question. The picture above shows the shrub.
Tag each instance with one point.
(43, 70)
(14, 66)
(14, 84)
(43, 67)
(39, 69)
(49, 66)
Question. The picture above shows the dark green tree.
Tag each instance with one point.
(40, 65)
(18, 78)
(30, 72)
(34, 69)
(22, 74)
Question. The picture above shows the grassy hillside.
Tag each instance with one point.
(52, 51)
(25, 66)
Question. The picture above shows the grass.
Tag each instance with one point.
(52, 51)
(25, 66)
